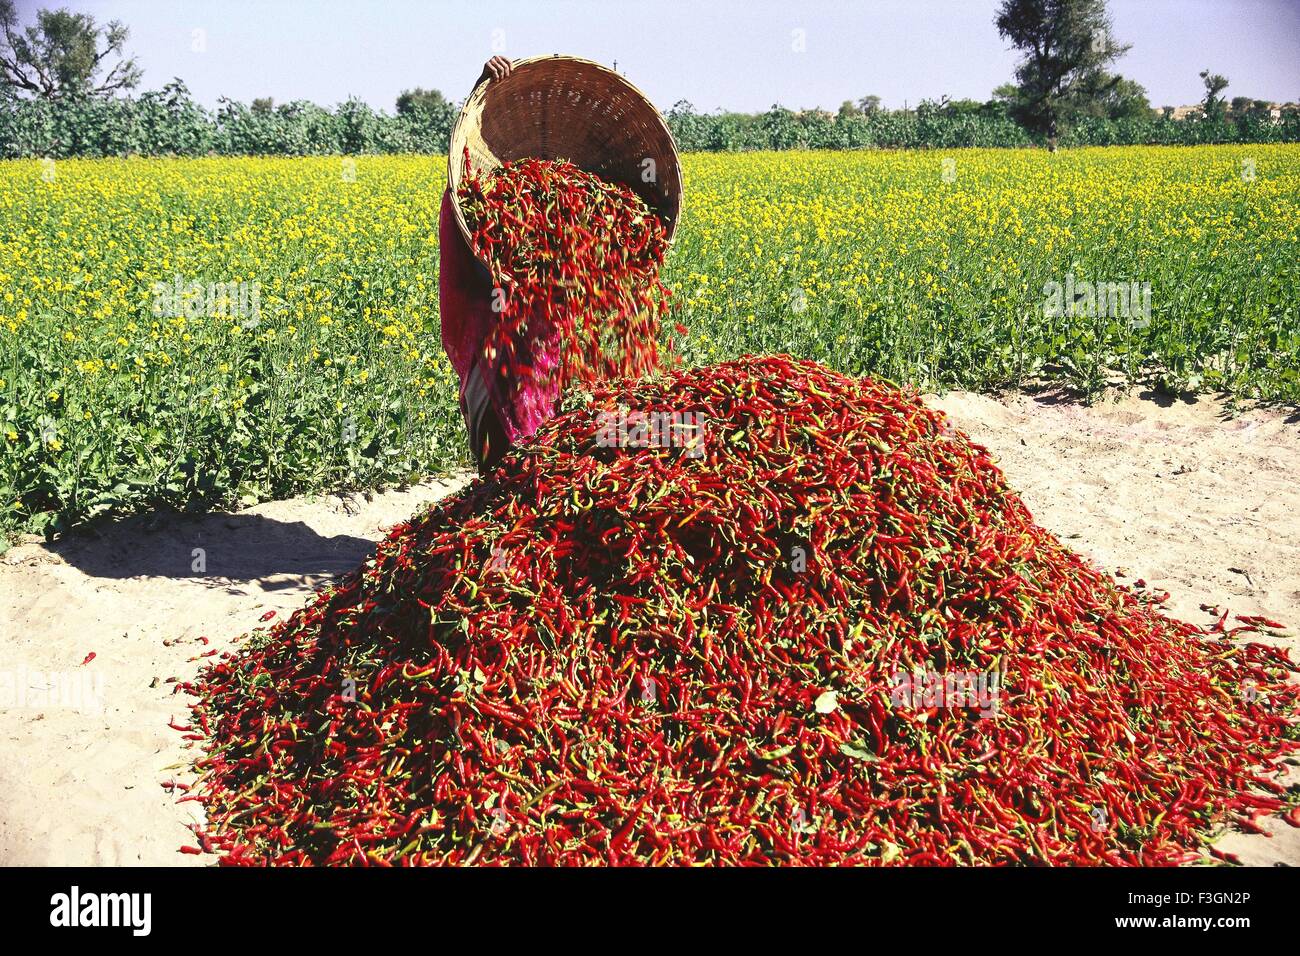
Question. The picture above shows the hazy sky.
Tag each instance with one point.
(738, 54)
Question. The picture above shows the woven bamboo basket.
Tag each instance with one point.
(563, 107)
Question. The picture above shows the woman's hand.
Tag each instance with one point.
(496, 68)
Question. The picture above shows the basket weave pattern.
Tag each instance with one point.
(562, 107)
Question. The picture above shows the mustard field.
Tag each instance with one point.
(192, 333)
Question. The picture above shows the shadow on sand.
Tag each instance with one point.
(230, 549)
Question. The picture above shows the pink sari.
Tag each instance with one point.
(465, 300)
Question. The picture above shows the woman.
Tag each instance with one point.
(496, 416)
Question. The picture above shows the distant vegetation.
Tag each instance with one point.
(66, 82)
(948, 125)
(170, 122)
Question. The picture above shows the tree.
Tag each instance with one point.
(964, 107)
(1107, 96)
(263, 105)
(1128, 100)
(848, 110)
(869, 104)
(1212, 105)
(420, 99)
(62, 54)
(1067, 46)
(1006, 94)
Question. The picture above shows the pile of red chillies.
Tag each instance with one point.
(686, 650)
(574, 259)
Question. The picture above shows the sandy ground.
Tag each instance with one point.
(84, 765)
(1181, 494)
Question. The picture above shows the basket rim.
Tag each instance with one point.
(479, 92)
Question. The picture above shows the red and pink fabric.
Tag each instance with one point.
(465, 293)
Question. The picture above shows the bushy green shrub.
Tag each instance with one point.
(170, 122)
(931, 126)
